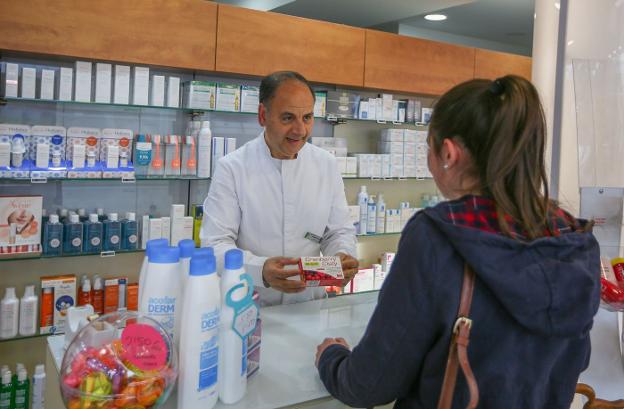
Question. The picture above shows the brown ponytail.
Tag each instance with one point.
(502, 125)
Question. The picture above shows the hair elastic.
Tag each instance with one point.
(496, 87)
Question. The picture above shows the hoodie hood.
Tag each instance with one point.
(550, 285)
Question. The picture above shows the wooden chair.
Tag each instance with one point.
(593, 402)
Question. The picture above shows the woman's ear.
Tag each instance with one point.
(451, 153)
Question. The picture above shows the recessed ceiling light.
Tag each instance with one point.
(435, 17)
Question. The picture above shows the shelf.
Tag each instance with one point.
(122, 106)
(21, 338)
(330, 119)
(378, 234)
(340, 121)
(35, 181)
(385, 179)
(104, 254)
(161, 178)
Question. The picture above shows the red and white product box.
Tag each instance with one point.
(321, 271)
(20, 224)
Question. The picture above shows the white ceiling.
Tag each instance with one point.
(505, 25)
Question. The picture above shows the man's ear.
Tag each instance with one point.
(262, 113)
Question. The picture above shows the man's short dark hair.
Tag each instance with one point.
(270, 84)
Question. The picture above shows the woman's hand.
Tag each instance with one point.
(327, 342)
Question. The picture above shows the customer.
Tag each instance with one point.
(279, 197)
(537, 270)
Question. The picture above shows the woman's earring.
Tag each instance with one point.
(445, 167)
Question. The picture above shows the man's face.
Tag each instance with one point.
(288, 119)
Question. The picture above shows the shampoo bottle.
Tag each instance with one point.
(233, 348)
(129, 237)
(22, 390)
(53, 236)
(38, 387)
(9, 314)
(150, 245)
(92, 235)
(97, 295)
(72, 235)
(371, 215)
(363, 203)
(199, 337)
(161, 294)
(28, 312)
(6, 391)
(112, 233)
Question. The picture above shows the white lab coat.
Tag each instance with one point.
(265, 206)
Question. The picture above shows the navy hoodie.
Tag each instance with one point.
(532, 310)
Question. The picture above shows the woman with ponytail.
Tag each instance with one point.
(537, 271)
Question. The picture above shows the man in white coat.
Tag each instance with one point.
(278, 198)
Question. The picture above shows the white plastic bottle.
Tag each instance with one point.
(204, 145)
(232, 350)
(28, 312)
(9, 314)
(380, 223)
(363, 203)
(143, 273)
(199, 337)
(371, 215)
(161, 294)
(187, 248)
(38, 387)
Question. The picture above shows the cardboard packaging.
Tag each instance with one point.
(114, 292)
(121, 92)
(20, 225)
(103, 80)
(228, 97)
(321, 271)
(250, 98)
(10, 80)
(83, 81)
(140, 90)
(29, 82)
(66, 84)
(200, 94)
(58, 293)
(342, 104)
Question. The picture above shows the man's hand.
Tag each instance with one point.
(326, 343)
(274, 274)
(349, 267)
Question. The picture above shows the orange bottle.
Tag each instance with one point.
(47, 307)
(97, 295)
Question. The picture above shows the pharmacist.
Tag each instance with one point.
(279, 198)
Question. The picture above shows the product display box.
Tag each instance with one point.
(342, 104)
(321, 271)
(116, 153)
(228, 97)
(199, 94)
(320, 104)
(46, 149)
(58, 293)
(83, 150)
(10, 80)
(250, 97)
(20, 225)
(14, 143)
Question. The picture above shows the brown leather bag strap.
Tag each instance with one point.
(458, 350)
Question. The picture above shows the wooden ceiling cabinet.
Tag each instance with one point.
(257, 43)
(179, 33)
(493, 64)
(400, 63)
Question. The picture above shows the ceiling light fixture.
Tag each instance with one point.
(435, 17)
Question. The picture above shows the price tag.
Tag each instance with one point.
(245, 310)
(144, 347)
(245, 321)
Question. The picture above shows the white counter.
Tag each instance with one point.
(290, 334)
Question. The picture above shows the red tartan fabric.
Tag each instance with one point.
(479, 212)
